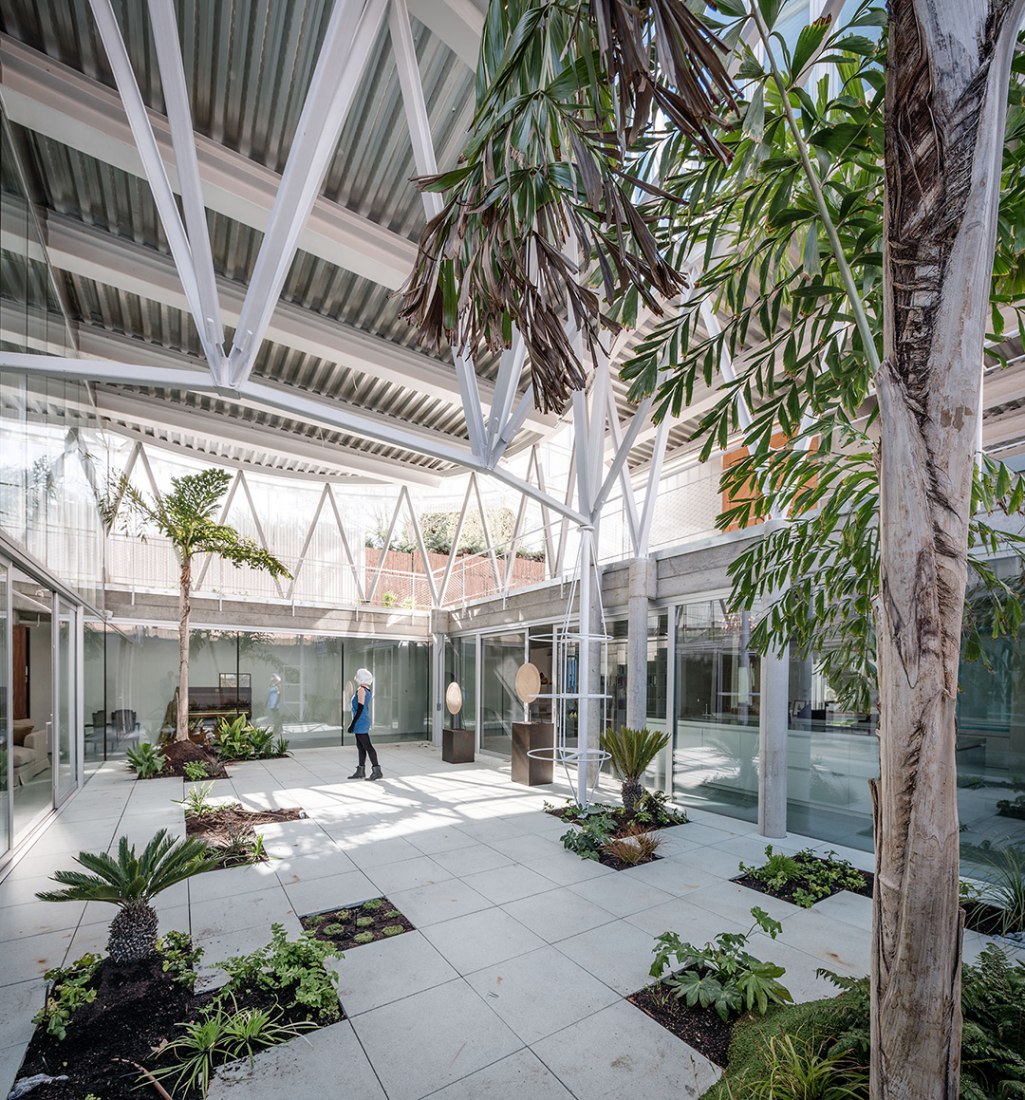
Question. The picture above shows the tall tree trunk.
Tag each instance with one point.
(184, 610)
(946, 92)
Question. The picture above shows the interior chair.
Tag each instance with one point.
(125, 726)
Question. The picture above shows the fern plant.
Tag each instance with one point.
(131, 882)
(631, 752)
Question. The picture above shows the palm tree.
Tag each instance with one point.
(543, 207)
(131, 882)
(631, 751)
(185, 517)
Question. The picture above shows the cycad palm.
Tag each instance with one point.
(631, 751)
(131, 882)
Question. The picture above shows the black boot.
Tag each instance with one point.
(375, 773)
(359, 773)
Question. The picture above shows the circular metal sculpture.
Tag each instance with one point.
(528, 682)
(454, 698)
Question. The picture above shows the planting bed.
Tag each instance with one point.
(228, 830)
(137, 1010)
(180, 753)
(701, 1028)
(815, 879)
(342, 927)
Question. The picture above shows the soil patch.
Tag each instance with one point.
(621, 864)
(701, 1028)
(137, 1009)
(229, 831)
(988, 919)
(626, 824)
(356, 925)
(180, 753)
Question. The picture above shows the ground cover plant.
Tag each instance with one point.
(355, 925)
(115, 1029)
(239, 739)
(614, 835)
(227, 828)
(997, 907)
(708, 988)
(174, 758)
(776, 1054)
(804, 878)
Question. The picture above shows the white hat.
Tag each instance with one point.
(363, 677)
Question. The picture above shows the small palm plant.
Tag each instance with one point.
(131, 882)
(631, 751)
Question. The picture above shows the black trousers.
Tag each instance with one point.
(365, 749)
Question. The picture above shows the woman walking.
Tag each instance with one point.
(362, 719)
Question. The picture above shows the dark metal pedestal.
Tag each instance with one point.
(527, 736)
(457, 746)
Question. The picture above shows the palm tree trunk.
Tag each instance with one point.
(184, 611)
(947, 77)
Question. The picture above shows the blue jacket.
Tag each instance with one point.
(363, 723)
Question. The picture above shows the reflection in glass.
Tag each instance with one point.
(501, 656)
(715, 741)
(5, 710)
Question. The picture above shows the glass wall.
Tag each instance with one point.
(614, 674)
(6, 760)
(831, 755)
(501, 656)
(658, 669)
(715, 735)
(232, 671)
(461, 669)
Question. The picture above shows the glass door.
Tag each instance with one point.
(65, 699)
(6, 756)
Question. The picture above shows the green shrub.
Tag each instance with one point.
(393, 930)
(239, 739)
(797, 1070)
(373, 905)
(391, 913)
(588, 840)
(653, 809)
(195, 770)
(364, 922)
(631, 752)
(295, 966)
(146, 760)
(67, 992)
(819, 876)
(1008, 889)
(180, 957)
(334, 929)
(363, 937)
(722, 974)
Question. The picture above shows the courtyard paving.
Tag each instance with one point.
(513, 983)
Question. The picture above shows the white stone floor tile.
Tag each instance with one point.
(33, 956)
(229, 882)
(261, 907)
(329, 1063)
(621, 1052)
(565, 868)
(482, 939)
(305, 867)
(433, 840)
(441, 901)
(691, 921)
(332, 892)
(621, 894)
(522, 1075)
(410, 873)
(504, 884)
(37, 917)
(558, 914)
(21, 1003)
(618, 954)
(673, 875)
(818, 935)
(378, 973)
(848, 908)
(412, 1059)
(541, 992)
(470, 859)
(366, 852)
(735, 902)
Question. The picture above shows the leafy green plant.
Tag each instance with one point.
(809, 876)
(373, 905)
(392, 930)
(653, 809)
(220, 1035)
(722, 974)
(364, 922)
(195, 801)
(1008, 808)
(145, 760)
(363, 937)
(180, 957)
(588, 840)
(1008, 888)
(393, 913)
(993, 1043)
(281, 746)
(334, 928)
(631, 752)
(195, 770)
(67, 992)
(295, 967)
(239, 739)
(796, 1070)
(131, 882)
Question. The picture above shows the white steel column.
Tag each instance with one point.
(641, 589)
(586, 659)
